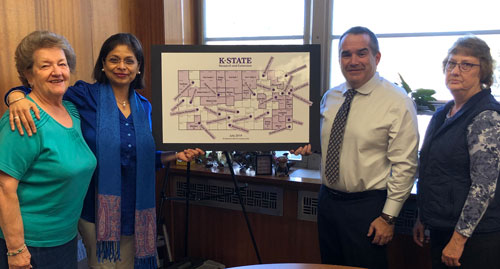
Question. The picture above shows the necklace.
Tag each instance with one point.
(124, 103)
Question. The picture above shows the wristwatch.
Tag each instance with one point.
(391, 220)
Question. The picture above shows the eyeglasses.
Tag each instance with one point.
(127, 61)
(464, 67)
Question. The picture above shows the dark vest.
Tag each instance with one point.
(444, 174)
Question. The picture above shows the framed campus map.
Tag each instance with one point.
(245, 98)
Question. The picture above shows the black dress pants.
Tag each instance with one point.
(59, 257)
(480, 251)
(343, 223)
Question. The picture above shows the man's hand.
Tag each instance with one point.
(453, 250)
(188, 155)
(419, 236)
(383, 231)
(305, 150)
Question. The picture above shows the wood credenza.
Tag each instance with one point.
(281, 211)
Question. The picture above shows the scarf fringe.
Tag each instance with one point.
(108, 250)
(145, 262)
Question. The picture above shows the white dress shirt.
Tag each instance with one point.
(380, 145)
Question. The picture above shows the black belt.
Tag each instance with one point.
(340, 195)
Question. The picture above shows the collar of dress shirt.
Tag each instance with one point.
(367, 88)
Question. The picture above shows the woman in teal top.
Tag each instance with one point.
(43, 178)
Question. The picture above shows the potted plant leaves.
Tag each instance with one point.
(422, 97)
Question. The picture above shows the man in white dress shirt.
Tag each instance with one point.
(377, 158)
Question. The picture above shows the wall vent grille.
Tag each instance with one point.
(308, 205)
(308, 210)
(220, 193)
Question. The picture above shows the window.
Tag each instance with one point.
(414, 36)
(253, 22)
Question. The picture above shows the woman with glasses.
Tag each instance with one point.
(458, 197)
(117, 223)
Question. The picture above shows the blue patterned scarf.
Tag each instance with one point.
(108, 212)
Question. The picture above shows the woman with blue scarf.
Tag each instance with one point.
(118, 221)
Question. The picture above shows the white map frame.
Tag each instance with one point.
(235, 97)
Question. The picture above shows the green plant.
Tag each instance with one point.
(404, 84)
(421, 97)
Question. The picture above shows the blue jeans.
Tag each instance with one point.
(59, 257)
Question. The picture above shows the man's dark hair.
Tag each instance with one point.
(360, 30)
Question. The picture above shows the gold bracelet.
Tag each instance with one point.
(14, 253)
(15, 100)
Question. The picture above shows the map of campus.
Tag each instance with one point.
(240, 101)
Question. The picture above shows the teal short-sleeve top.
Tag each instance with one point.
(54, 168)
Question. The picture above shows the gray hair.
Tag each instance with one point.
(38, 40)
(475, 47)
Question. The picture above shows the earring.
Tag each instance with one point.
(139, 72)
(102, 69)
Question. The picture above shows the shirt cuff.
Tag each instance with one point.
(467, 232)
(392, 207)
(165, 155)
(158, 162)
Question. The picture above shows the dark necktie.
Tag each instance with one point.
(336, 138)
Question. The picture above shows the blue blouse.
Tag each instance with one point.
(129, 172)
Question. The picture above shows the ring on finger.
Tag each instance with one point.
(16, 117)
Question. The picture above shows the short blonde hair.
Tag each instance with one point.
(38, 40)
